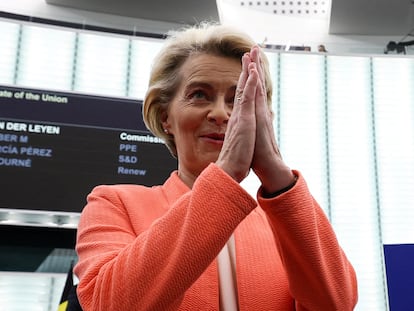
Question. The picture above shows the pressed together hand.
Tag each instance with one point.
(250, 141)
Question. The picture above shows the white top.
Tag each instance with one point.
(227, 277)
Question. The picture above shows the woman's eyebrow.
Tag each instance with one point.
(199, 84)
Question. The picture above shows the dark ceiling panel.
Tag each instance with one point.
(177, 11)
(372, 17)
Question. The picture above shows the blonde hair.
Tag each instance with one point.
(205, 38)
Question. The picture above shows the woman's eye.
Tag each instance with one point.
(198, 95)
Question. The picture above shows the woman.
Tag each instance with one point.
(199, 241)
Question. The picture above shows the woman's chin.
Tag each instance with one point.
(210, 156)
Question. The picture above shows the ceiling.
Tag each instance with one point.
(348, 17)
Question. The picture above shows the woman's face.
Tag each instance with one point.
(197, 115)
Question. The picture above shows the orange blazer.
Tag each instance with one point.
(155, 248)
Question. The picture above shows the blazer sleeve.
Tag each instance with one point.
(127, 266)
(319, 273)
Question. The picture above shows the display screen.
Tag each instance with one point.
(55, 147)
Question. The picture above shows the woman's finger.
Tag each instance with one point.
(255, 56)
(242, 79)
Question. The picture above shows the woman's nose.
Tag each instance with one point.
(220, 112)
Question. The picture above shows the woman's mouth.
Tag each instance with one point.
(215, 138)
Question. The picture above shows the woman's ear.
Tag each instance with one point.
(164, 122)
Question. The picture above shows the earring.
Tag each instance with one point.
(166, 131)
